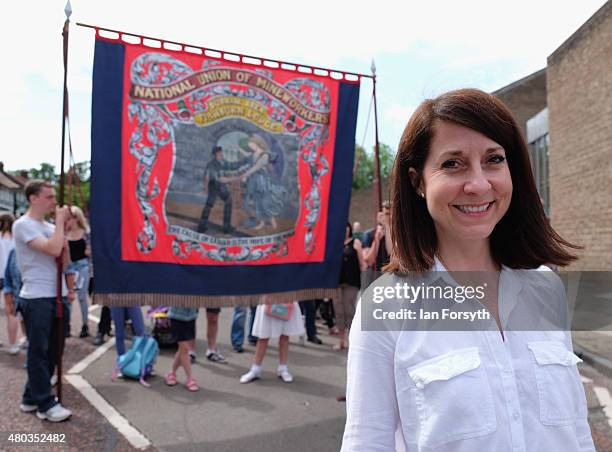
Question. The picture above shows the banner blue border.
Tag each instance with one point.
(112, 275)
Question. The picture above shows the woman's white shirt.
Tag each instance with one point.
(467, 390)
(6, 245)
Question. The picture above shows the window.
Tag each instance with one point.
(538, 150)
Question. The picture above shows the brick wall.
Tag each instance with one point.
(579, 85)
(362, 205)
(525, 97)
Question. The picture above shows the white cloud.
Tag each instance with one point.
(477, 34)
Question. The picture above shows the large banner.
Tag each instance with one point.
(216, 182)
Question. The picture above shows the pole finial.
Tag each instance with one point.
(373, 67)
(68, 9)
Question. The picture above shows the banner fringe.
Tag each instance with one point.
(206, 301)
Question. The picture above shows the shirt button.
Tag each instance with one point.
(516, 416)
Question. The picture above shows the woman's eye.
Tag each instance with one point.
(497, 159)
(451, 164)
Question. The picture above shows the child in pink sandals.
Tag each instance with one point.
(182, 324)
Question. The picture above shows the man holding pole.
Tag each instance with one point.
(37, 245)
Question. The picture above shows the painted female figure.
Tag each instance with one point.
(264, 196)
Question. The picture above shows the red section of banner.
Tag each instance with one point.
(261, 199)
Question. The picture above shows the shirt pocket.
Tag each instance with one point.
(453, 398)
(558, 382)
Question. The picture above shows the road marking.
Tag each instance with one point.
(603, 332)
(603, 395)
(85, 362)
(135, 438)
(586, 379)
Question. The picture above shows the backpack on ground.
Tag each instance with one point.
(138, 361)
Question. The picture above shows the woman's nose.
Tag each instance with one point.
(477, 183)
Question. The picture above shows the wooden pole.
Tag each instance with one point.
(59, 260)
(377, 180)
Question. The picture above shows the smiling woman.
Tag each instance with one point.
(463, 168)
(465, 209)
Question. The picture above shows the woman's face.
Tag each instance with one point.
(466, 182)
(71, 224)
(254, 146)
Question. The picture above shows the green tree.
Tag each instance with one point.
(364, 165)
(78, 186)
(46, 171)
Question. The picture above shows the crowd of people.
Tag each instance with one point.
(32, 246)
(464, 200)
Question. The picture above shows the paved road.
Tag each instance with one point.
(266, 415)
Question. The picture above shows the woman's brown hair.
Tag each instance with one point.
(523, 238)
(6, 224)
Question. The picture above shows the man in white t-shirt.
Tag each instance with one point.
(37, 245)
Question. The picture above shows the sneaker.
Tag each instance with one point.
(23, 343)
(250, 376)
(56, 413)
(53, 380)
(99, 340)
(24, 407)
(285, 375)
(14, 349)
(192, 356)
(239, 349)
(216, 357)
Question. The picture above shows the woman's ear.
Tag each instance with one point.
(416, 181)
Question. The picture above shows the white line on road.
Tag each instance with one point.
(603, 395)
(136, 439)
(85, 362)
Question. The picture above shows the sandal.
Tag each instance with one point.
(171, 379)
(192, 385)
(339, 347)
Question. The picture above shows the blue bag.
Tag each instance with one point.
(138, 361)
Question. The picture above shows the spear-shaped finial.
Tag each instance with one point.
(68, 9)
(373, 67)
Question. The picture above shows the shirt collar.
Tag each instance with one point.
(509, 286)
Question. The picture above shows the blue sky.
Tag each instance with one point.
(421, 49)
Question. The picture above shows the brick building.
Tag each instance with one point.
(570, 137)
(579, 88)
(525, 97)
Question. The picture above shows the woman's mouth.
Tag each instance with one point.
(474, 210)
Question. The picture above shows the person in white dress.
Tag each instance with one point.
(267, 326)
(465, 205)
(6, 245)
